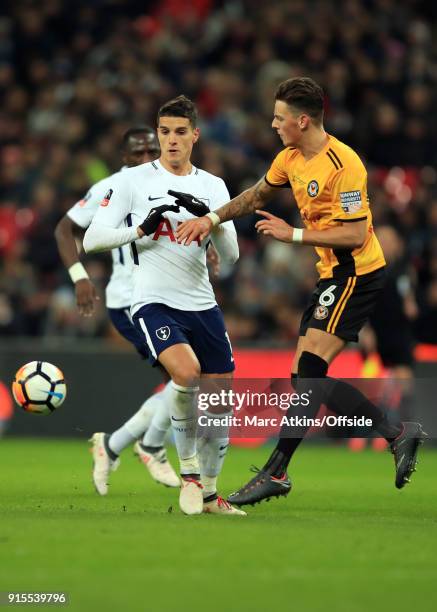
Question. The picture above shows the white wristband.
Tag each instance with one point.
(215, 219)
(77, 272)
(297, 234)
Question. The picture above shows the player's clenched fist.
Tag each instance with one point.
(274, 226)
(151, 222)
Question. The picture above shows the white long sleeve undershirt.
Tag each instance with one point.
(103, 238)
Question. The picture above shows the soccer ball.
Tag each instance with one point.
(39, 387)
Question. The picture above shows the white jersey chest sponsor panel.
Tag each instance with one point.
(119, 289)
(166, 272)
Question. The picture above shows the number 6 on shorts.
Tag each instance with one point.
(327, 297)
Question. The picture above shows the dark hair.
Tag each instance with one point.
(179, 107)
(304, 94)
(135, 131)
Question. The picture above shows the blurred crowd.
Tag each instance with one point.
(74, 75)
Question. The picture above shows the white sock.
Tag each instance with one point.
(155, 435)
(183, 412)
(136, 425)
(209, 485)
(212, 452)
(120, 439)
(189, 465)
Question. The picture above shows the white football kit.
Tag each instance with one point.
(173, 301)
(119, 289)
(165, 272)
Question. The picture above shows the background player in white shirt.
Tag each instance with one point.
(173, 302)
(139, 145)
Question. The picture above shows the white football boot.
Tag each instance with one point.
(159, 466)
(103, 464)
(190, 497)
(221, 506)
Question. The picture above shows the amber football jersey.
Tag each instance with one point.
(331, 189)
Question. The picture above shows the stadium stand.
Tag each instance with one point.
(72, 81)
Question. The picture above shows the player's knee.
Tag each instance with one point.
(311, 366)
(186, 374)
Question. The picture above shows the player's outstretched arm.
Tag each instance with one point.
(246, 203)
(86, 295)
(99, 238)
(346, 236)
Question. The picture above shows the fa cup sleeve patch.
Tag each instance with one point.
(107, 197)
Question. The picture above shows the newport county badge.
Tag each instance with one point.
(313, 189)
(321, 312)
(163, 333)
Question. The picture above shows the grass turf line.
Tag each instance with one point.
(345, 539)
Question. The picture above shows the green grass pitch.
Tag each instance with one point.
(344, 540)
